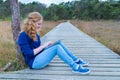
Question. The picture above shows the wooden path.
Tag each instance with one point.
(104, 63)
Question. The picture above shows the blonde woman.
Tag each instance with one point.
(35, 54)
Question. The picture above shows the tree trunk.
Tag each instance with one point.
(15, 24)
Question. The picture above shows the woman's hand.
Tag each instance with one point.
(47, 44)
(37, 50)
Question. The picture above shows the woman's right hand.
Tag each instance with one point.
(47, 44)
(37, 50)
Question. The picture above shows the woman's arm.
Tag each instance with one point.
(40, 48)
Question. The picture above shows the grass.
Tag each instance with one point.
(107, 32)
(7, 50)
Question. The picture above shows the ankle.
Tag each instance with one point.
(75, 66)
(80, 69)
(77, 60)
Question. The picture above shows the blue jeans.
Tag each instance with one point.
(45, 57)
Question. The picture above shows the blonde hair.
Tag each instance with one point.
(30, 26)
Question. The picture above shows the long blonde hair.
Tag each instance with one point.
(30, 26)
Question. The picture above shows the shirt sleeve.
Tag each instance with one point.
(24, 45)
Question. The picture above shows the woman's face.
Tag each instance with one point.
(39, 25)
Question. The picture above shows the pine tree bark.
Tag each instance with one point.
(15, 24)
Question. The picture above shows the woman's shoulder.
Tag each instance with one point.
(23, 38)
(22, 34)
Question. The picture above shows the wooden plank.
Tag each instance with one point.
(94, 69)
(66, 70)
(90, 65)
(99, 57)
(67, 73)
(58, 77)
(93, 61)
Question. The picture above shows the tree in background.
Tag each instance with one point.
(16, 29)
(4, 9)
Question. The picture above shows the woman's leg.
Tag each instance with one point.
(75, 58)
(47, 55)
(68, 51)
(44, 58)
(62, 53)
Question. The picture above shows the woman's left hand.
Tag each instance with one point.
(48, 43)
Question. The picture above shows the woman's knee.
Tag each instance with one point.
(58, 46)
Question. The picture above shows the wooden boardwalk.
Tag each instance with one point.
(104, 63)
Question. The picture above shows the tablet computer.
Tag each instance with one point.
(56, 42)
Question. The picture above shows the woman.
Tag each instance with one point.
(35, 54)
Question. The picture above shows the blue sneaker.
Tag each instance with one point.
(82, 62)
(79, 69)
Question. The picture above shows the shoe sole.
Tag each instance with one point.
(81, 72)
(84, 65)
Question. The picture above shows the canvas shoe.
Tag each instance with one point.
(80, 69)
(82, 62)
